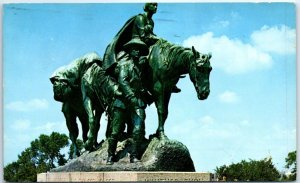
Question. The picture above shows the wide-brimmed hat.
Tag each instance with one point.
(137, 43)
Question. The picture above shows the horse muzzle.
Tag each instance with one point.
(58, 96)
(58, 92)
(203, 94)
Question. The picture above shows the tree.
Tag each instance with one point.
(252, 170)
(10, 172)
(42, 155)
(47, 149)
(291, 163)
(26, 170)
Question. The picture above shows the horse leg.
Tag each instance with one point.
(85, 126)
(73, 129)
(91, 118)
(97, 126)
(162, 110)
(108, 128)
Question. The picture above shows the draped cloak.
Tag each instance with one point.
(123, 36)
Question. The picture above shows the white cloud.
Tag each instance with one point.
(50, 127)
(277, 39)
(204, 128)
(235, 15)
(179, 130)
(229, 97)
(207, 120)
(231, 55)
(280, 132)
(224, 23)
(216, 132)
(245, 123)
(236, 57)
(22, 124)
(31, 105)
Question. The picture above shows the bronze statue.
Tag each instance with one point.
(138, 69)
(66, 87)
(167, 63)
(98, 92)
(139, 26)
(134, 99)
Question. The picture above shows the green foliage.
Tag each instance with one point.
(10, 172)
(291, 163)
(42, 155)
(26, 170)
(251, 170)
(46, 149)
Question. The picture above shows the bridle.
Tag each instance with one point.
(194, 65)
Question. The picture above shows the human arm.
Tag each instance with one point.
(139, 26)
(123, 79)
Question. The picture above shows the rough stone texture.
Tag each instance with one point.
(159, 155)
(123, 176)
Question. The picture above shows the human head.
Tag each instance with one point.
(134, 53)
(137, 45)
(150, 7)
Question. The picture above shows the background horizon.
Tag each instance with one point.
(250, 113)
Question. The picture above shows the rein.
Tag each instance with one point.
(194, 73)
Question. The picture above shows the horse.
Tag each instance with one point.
(167, 64)
(66, 88)
(98, 92)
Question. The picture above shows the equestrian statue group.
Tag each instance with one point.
(138, 69)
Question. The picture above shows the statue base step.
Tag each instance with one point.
(123, 176)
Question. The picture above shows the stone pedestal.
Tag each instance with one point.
(159, 155)
(123, 176)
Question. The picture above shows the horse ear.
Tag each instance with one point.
(194, 51)
(209, 55)
(53, 79)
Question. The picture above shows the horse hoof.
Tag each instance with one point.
(97, 146)
(162, 136)
(175, 89)
(75, 155)
(88, 146)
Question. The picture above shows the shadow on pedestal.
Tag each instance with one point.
(159, 155)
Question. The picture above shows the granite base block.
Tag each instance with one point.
(123, 176)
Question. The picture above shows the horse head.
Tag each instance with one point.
(199, 71)
(61, 89)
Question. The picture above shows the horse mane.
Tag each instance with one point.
(99, 84)
(174, 52)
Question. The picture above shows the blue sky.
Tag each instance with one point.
(251, 110)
